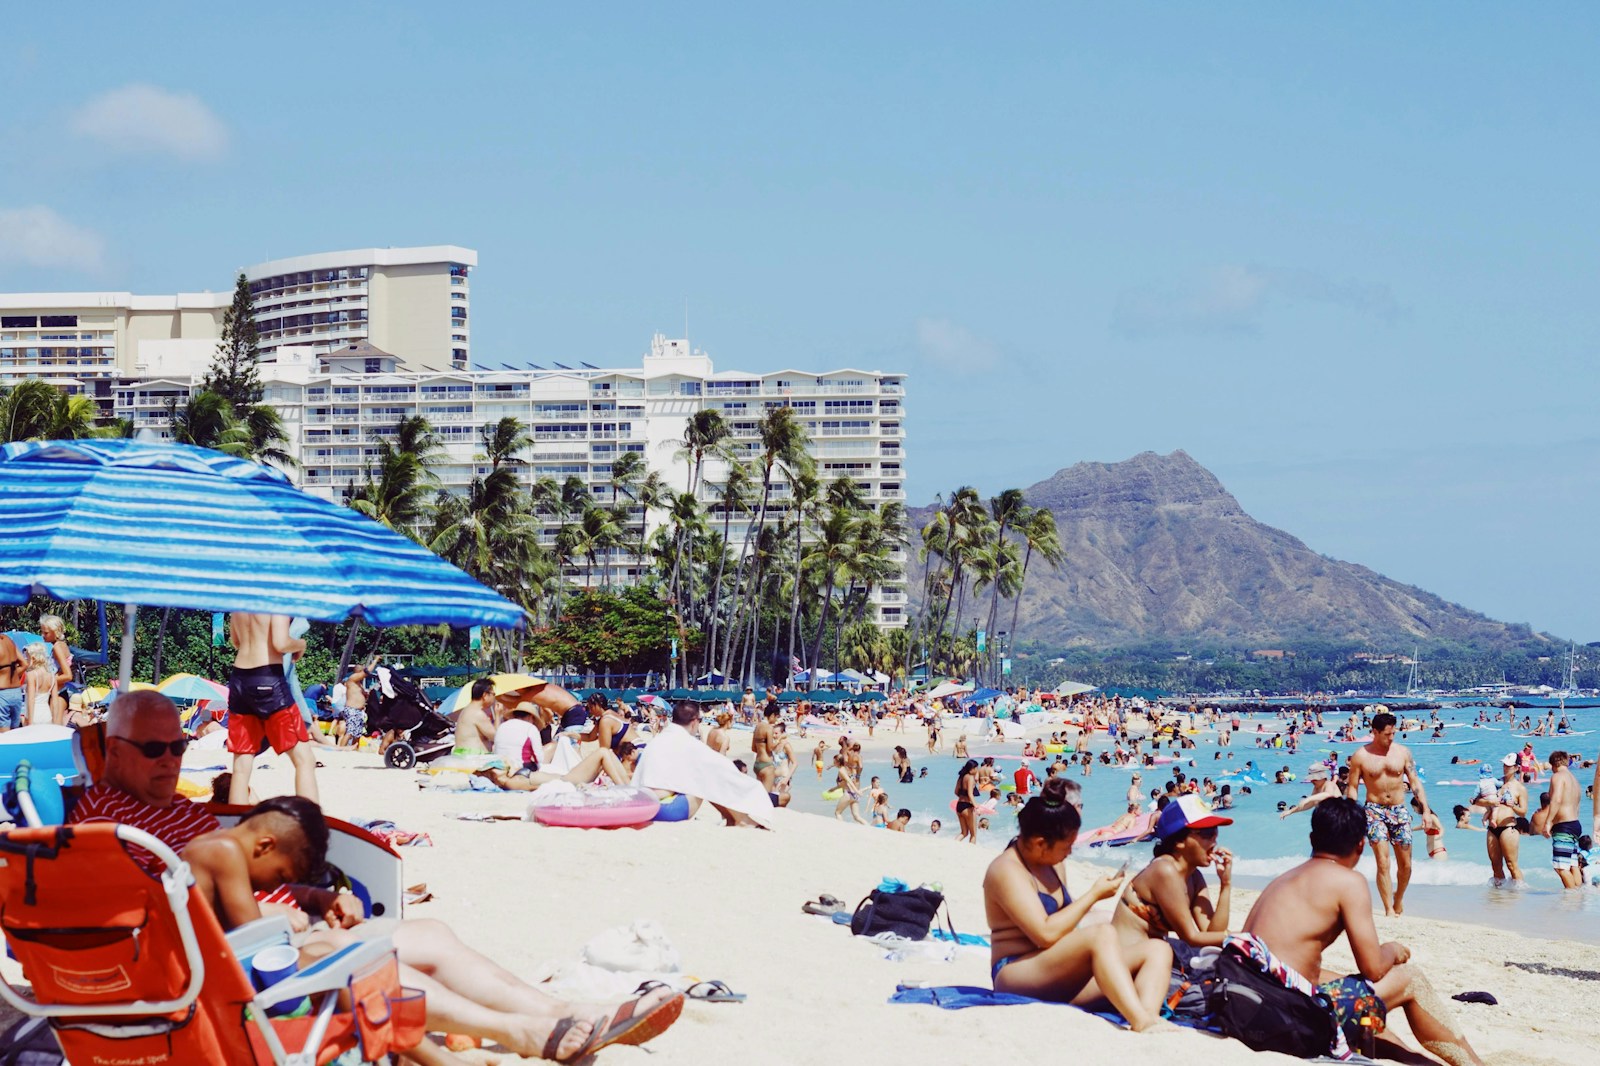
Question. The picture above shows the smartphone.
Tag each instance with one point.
(1124, 867)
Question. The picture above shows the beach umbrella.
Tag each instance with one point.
(157, 524)
(1073, 688)
(192, 687)
(508, 689)
(949, 688)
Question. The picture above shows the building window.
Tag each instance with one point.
(59, 320)
(19, 322)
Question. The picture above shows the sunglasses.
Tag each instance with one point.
(154, 749)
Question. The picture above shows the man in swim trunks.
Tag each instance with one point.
(1302, 912)
(1387, 769)
(765, 765)
(261, 708)
(1564, 829)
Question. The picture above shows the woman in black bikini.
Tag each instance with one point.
(966, 783)
(1040, 949)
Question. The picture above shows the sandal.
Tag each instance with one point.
(714, 992)
(650, 1025)
(827, 910)
(626, 1025)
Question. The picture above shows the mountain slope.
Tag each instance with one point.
(1156, 548)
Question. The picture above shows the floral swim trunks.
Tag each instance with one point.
(1391, 822)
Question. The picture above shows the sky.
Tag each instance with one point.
(1343, 255)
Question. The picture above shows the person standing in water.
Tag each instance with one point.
(1387, 769)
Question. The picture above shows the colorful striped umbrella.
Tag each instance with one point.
(168, 525)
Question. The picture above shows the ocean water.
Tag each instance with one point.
(1456, 888)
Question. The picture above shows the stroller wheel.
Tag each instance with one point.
(400, 756)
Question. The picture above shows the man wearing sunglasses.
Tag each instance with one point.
(139, 786)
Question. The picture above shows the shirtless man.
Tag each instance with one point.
(765, 764)
(1387, 769)
(12, 676)
(474, 724)
(355, 707)
(1563, 828)
(1302, 912)
(261, 709)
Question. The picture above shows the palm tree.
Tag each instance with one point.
(37, 410)
(805, 495)
(398, 485)
(706, 433)
(596, 531)
(734, 495)
(832, 553)
(1005, 509)
(783, 441)
(206, 420)
(1038, 529)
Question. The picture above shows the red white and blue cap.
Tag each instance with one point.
(1187, 812)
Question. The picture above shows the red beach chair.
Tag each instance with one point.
(133, 968)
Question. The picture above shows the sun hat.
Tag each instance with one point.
(1318, 769)
(1187, 812)
(1509, 760)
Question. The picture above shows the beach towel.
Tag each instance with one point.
(960, 997)
(676, 761)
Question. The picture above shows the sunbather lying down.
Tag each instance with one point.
(618, 769)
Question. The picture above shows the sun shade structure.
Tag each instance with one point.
(168, 525)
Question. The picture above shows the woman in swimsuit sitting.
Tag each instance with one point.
(607, 727)
(1169, 895)
(720, 737)
(1040, 948)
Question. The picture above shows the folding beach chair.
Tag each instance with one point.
(133, 968)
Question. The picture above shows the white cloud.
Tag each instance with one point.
(139, 118)
(1233, 298)
(38, 237)
(955, 348)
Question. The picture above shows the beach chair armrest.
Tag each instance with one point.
(258, 935)
(330, 973)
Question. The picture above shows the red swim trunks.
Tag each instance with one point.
(283, 729)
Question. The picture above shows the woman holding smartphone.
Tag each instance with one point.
(1040, 946)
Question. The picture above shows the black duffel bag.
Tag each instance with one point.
(1254, 1008)
(909, 913)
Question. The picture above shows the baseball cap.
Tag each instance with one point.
(1509, 760)
(1187, 812)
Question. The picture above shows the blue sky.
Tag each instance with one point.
(1343, 257)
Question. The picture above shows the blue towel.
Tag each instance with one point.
(964, 939)
(958, 997)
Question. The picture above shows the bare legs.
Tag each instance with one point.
(1402, 863)
(304, 761)
(1092, 964)
(1431, 1019)
(590, 767)
(1381, 855)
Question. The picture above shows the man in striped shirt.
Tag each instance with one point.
(139, 787)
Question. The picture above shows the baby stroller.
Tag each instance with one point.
(421, 733)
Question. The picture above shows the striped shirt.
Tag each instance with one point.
(174, 826)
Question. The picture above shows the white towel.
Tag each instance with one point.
(676, 761)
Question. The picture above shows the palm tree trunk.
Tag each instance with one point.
(794, 599)
(1022, 585)
(753, 535)
(822, 626)
(349, 650)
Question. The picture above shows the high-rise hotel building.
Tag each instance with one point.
(352, 342)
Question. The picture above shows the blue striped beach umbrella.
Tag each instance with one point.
(169, 525)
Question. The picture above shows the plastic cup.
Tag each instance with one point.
(275, 964)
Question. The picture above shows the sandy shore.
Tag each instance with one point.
(730, 901)
(530, 897)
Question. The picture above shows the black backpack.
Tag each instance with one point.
(909, 914)
(1254, 1008)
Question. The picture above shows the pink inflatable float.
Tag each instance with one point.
(1105, 836)
(608, 808)
(986, 807)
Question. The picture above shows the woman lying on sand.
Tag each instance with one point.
(1039, 949)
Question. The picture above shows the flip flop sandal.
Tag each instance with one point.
(824, 909)
(830, 901)
(629, 1026)
(1477, 997)
(714, 992)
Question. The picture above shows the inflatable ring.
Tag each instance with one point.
(606, 808)
(987, 807)
(1055, 749)
(833, 794)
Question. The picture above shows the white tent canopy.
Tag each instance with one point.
(1074, 688)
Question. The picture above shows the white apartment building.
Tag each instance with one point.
(414, 303)
(581, 420)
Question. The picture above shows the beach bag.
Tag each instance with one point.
(1255, 1009)
(909, 913)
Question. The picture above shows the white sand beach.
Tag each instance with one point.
(730, 901)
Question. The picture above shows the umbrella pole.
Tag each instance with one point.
(129, 614)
